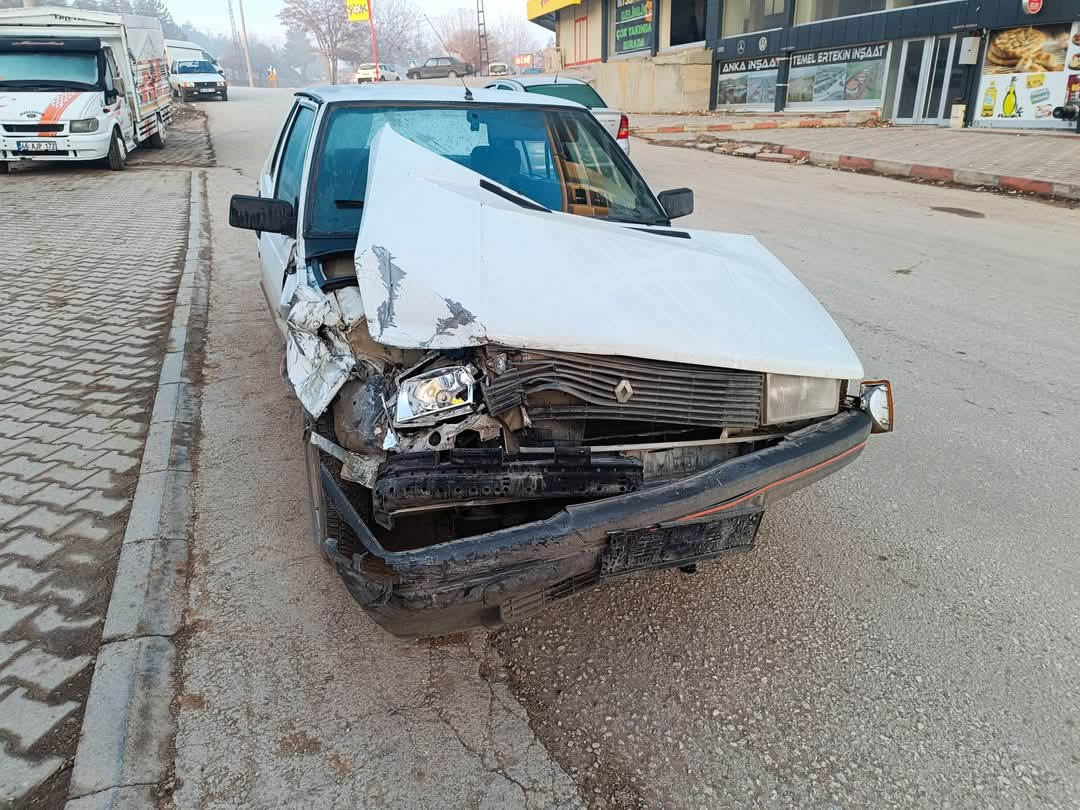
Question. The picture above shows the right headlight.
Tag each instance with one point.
(435, 395)
(792, 399)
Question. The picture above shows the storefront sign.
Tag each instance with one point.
(747, 82)
(1025, 75)
(633, 25)
(1031, 6)
(847, 76)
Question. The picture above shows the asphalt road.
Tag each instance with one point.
(905, 633)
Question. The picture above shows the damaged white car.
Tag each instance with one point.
(520, 380)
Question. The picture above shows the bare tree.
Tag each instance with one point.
(461, 35)
(515, 35)
(327, 23)
(401, 32)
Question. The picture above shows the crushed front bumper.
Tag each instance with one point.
(494, 578)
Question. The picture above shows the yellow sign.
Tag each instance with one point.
(538, 8)
(358, 10)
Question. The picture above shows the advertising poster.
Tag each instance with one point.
(1026, 74)
(633, 25)
(850, 76)
(747, 82)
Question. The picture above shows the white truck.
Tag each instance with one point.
(81, 85)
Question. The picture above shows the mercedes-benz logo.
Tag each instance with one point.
(741, 47)
(623, 391)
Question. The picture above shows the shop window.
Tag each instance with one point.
(688, 21)
(746, 16)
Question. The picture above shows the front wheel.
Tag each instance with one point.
(117, 158)
(325, 520)
(158, 139)
(224, 95)
(5, 168)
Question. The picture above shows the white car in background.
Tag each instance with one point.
(571, 89)
(382, 73)
(197, 79)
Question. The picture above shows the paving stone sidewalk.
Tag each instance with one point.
(87, 298)
(1051, 158)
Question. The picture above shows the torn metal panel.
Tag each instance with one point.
(318, 357)
(354, 466)
(488, 270)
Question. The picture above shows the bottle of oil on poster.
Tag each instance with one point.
(989, 100)
(1009, 107)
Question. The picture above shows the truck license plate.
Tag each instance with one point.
(35, 146)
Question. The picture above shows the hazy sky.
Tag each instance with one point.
(262, 21)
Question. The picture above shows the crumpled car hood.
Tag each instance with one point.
(443, 263)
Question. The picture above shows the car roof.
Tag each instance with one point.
(335, 94)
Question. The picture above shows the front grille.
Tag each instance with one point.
(661, 393)
(201, 85)
(19, 128)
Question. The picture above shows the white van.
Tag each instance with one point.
(182, 50)
(80, 85)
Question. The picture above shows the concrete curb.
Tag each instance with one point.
(824, 120)
(125, 746)
(891, 168)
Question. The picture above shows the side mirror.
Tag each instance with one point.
(221, 72)
(111, 97)
(678, 202)
(262, 214)
(119, 86)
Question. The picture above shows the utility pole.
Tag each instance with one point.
(481, 33)
(244, 43)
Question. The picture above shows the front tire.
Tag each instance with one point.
(224, 95)
(5, 168)
(117, 159)
(325, 520)
(159, 138)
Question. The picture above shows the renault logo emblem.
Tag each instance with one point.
(623, 391)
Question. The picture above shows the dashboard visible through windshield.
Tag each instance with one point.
(562, 159)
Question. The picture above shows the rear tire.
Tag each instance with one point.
(117, 158)
(451, 74)
(5, 168)
(159, 138)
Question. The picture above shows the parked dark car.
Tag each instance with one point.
(440, 67)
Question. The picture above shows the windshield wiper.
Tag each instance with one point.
(523, 202)
(38, 84)
(349, 203)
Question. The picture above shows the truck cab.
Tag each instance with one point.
(66, 95)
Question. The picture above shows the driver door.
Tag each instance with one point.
(114, 81)
(282, 179)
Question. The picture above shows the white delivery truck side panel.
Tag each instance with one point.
(44, 115)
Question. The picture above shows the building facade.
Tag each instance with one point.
(997, 63)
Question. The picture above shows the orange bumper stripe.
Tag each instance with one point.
(743, 499)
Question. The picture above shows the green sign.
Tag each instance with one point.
(633, 25)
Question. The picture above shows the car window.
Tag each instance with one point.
(194, 67)
(431, 62)
(443, 62)
(563, 160)
(581, 93)
(292, 157)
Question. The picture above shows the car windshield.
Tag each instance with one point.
(195, 67)
(560, 158)
(581, 93)
(367, 66)
(49, 70)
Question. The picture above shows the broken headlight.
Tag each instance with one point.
(792, 399)
(435, 395)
